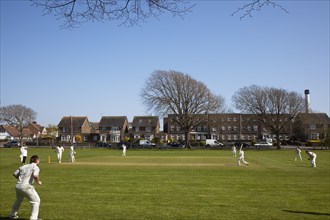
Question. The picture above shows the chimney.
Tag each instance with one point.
(307, 101)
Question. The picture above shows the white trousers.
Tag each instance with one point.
(241, 159)
(31, 194)
(298, 155)
(59, 157)
(313, 161)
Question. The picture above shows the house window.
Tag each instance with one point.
(223, 137)
(235, 128)
(235, 137)
(115, 139)
(312, 126)
(65, 138)
(229, 128)
(65, 129)
(137, 129)
(140, 120)
(314, 136)
(223, 128)
(148, 129)
(229, 137)
(255, 128)
(214, 129)
(228, 119)
(172, 128)
(235, 119)
(199, 128)
(178, 128)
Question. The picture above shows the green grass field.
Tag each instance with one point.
(173, 184)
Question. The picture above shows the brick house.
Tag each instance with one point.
(70, 126)
(224, 127)
(113, 128)
(312, 126)
(9, 132)
(37, 130)
(146, 127)
(95, 132)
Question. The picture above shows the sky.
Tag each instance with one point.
(99, 69)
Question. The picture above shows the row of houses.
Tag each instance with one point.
(224, 127)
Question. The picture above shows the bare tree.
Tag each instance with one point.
(130, 12)
(17, 115)
(171, 92)
(248, 9)
(271, 107)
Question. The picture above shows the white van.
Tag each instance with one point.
(213, 143)
(146, 143)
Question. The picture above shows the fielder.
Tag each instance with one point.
(24, 154)
(25, 176)
(59, 151)
(234, 150)
(311, 157)
(297, 154)
(72, 158)
(241, 157)
(124, 150)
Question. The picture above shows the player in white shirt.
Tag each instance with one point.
(72, 158)
(124, 150)
(59, 151)
(297, 154)
(312, 157)
(241, 157)
(26, 175)
(234, 150)
(24, 154)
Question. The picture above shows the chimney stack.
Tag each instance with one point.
(307, 101)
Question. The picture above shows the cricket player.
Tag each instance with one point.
(59, 151)
(72, 158)
(26, 175)
(241, 157)
(124, 150)
(234, 150)
(24, 154)
(297, 154)
(311, 157)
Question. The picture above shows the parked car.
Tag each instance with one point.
(175, 145)
(263, 145)
(146, 144)
(238, 144)
(213, 143)
(12, 144)
(103, 144)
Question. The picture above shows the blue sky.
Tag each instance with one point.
(99, 69)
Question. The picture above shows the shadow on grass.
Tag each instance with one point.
(309, 213)
(6, 218)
